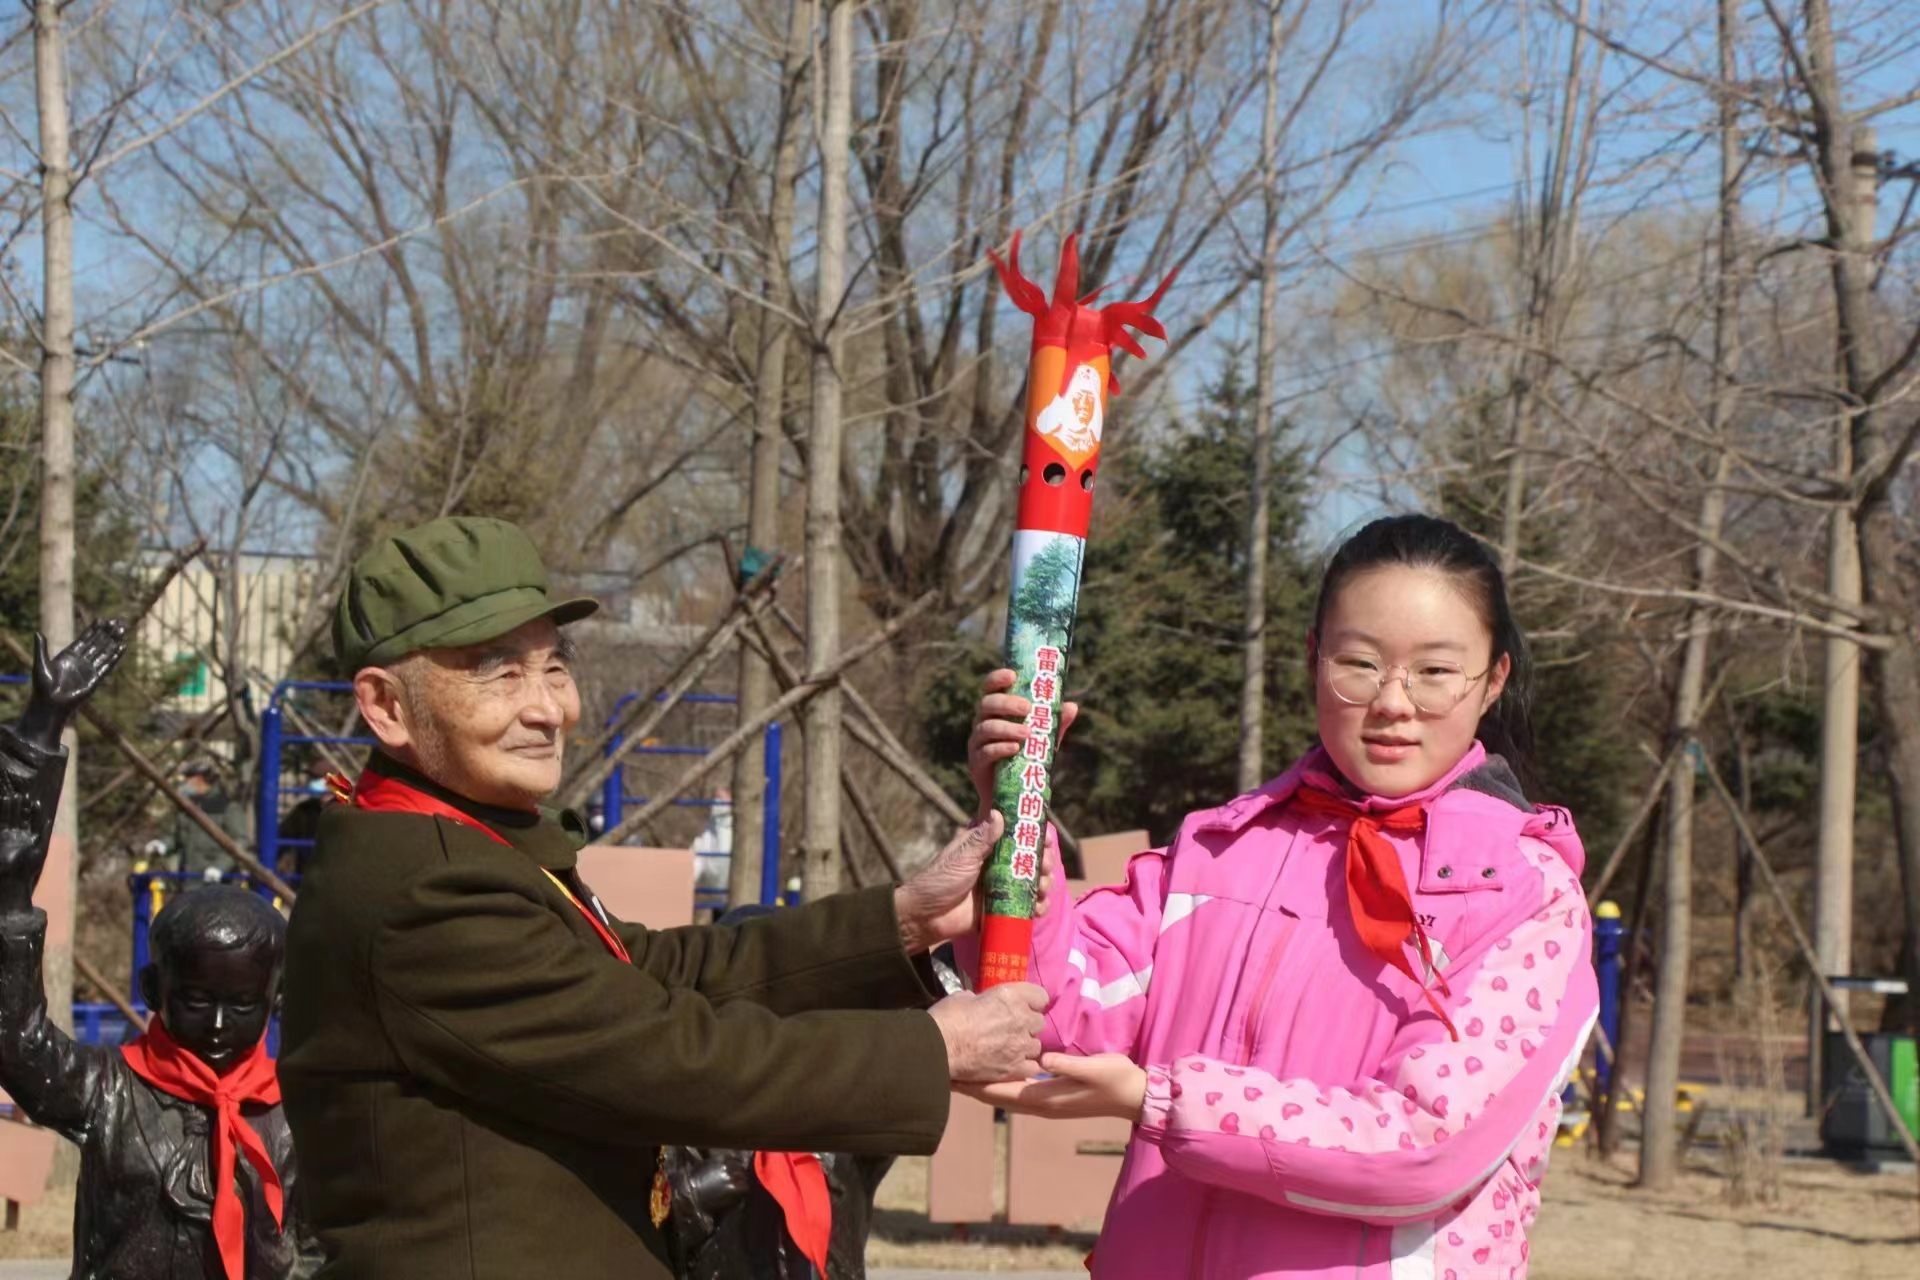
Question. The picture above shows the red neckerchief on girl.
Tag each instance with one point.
(159, 1059)
(378, 793)
(1377, 894)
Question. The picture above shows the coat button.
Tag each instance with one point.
(1444, 872)
(1487, 874)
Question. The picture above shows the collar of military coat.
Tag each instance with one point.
(551, 837)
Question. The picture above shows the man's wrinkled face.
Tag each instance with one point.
(216, 1001)
(490, 721)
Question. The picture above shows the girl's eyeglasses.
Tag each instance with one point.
(1434, 688)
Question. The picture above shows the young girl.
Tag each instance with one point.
(1339, 1010)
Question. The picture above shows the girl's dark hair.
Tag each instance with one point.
(1427, 542)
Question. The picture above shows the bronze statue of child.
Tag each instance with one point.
(186, 1166)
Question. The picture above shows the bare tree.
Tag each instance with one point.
(1876, 444)
(820, 844)
(57, 460)
(1253, 644)
(1659, 1145)
(757, 687)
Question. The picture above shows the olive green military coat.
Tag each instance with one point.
(478, 1088)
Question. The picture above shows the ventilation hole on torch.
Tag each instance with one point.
(1055, 474)
(1025, 471)
(1086, 479)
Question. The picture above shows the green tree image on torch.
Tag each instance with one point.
(1069, 377)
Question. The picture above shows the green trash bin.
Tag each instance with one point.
(1853, 1124)
(1905, 1083)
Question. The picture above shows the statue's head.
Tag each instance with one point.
(461, 668)
(214, 976)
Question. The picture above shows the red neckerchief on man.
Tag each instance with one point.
(159, 1059)
(794, 1179)
(379, 793)
(1377, 894)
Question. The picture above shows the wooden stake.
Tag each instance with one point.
(107, 989)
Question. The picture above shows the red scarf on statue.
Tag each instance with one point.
(159, 1059)
(794, 1179)
(1377, 894)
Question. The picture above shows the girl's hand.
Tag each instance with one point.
(1106, 1084)
(999, 729)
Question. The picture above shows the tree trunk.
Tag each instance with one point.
(1839, 767)
(1849, 225)
(1659, 1149)
(1253, 645)
(59, 884)
(820, 870)
(1896, 669)
(59, 889)
(1744, 900)
(763, 485)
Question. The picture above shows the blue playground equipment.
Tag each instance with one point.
(1608, 930)
(614, 798)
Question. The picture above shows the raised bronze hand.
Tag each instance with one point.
(23, 851)
(67, 679)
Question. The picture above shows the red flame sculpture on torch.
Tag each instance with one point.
(1069, 377)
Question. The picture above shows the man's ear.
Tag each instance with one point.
(150, 986)
(377, 693)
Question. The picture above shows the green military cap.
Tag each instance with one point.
(453, 581)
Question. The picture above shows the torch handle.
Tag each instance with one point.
(1040, 614)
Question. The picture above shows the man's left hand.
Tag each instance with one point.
(942, 902)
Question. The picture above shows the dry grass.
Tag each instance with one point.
(1829, 1223)
(46, 1229)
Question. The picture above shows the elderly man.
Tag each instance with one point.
(479, 1064)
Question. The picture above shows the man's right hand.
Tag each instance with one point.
(992, 1035)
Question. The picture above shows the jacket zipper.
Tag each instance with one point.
(1257, 1016)
(1255, 1019)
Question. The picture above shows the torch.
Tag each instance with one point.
(1069, 378)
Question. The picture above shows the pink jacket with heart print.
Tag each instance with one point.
(1307, 1114)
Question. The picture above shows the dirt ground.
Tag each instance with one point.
(1835, 1225)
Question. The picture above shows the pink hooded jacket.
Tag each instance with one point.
(1307, 1114)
